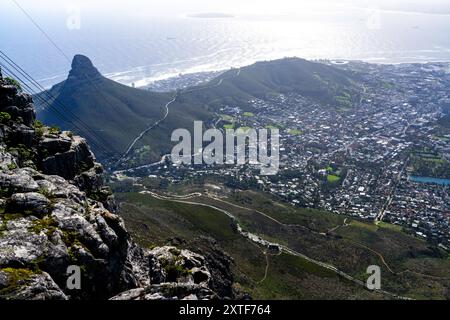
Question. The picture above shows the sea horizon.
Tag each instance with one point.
(149, 49)
(145, 82)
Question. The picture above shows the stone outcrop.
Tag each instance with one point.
(55, 212)
(174, 274)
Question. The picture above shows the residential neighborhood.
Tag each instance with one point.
(355, 158)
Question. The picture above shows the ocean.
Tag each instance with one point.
(142, 50)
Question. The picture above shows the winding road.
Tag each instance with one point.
(141, 135)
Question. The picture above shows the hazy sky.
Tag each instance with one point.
(122, 35)
(237, 7)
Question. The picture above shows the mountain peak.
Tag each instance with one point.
(82, 66)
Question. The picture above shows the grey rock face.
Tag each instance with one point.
(71, 162)
(6, 160)
(17, 181)
(22, 135)
(169, 264)
(32, 203)
(168, 291)
(55, 145)
(64, 227)
(39, 286)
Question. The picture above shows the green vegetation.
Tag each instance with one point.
(54, 130)
(297, 276)
(24, 153)
(390, 226)
(13, 82)
(300, 264)
(174, 268)
(5, 117)
(12, 166)
(295, 132)
(47, 225)
(428, 163)
(141, 155)
(40, 132)
(15, 279)
(6, 217)
(344, 100)
(331, 178)
(197, 218)
(351, 247)
(288, 276)
(174, 271)
(45, 192)
(363, 225)
(38, 124)
(248, 114)
(226, 117)
(228, 126)
(243, 129)
(71, 239)
(39, 128)
(272, 127)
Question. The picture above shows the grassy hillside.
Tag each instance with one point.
(410, 267)
(154, 221)
(314, 80)
(320, 82)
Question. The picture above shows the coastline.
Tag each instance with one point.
(170, 79)
(170, 76)
(172, 82)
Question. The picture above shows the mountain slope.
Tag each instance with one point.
(410, 267)
(119, 114)
(317, 81)
(115, 112)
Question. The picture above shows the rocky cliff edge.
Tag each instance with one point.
(55, 212)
